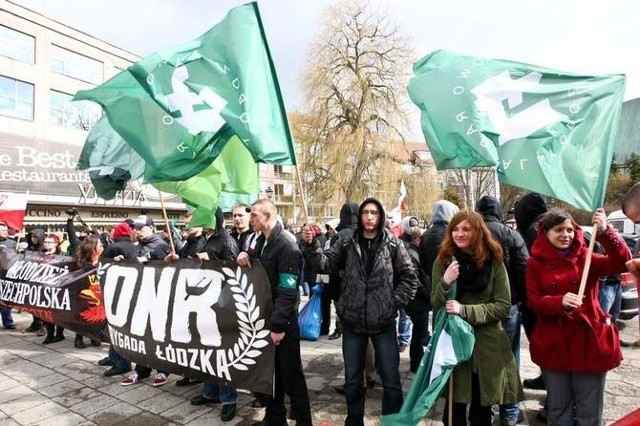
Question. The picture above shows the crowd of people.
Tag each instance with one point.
(380, 277)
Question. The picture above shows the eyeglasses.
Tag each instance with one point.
(49, 242)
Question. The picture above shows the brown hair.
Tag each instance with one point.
(87, 250)
(482, 244)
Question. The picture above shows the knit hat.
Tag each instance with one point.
(121, 230)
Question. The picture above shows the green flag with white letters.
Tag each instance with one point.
(178, 107)
(547, 131)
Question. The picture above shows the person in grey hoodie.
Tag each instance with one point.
(441, 214)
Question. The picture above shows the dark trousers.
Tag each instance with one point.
(582, 392)
(144, 372)
(354, 351)
(289, 379)
(479, 415)
(419, 318)
(329, 294)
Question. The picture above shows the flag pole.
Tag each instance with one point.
(587, 265)
(450, 407)
(304, 203)
(166, 222)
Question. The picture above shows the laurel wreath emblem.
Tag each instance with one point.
(252, 332)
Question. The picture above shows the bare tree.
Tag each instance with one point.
(354, 87)
(475, 183)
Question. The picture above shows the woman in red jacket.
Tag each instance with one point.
(573, 341)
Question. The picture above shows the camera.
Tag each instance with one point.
(72, 211)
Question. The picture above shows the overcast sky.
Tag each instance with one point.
(583, 36)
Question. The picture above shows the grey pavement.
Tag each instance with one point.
(57, 384)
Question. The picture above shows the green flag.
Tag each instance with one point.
(547, 131)
(178, 107)
(451, 343)
(111, 162)
(233, 172)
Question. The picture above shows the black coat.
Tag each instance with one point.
(122, 246)
(513, 246)
(282, 260)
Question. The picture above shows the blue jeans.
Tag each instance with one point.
(611, 299)
(354, 350)
(512, 324)
(404, 328)
(226, 394)
(305, 288)
(7, 317)
(118, 360)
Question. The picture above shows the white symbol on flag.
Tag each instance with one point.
(492, 92)
(184, 100)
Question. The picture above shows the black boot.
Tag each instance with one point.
(50, 333)
(79, 343)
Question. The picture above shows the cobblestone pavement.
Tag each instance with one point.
(57, 384)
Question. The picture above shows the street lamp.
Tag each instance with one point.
(269, 192)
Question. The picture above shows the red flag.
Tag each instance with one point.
(12, 209)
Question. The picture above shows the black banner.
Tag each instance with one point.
(53, 288)
(205, 320)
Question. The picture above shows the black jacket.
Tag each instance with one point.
(121, 246)
(441, 214)
(153, 246)
(191, 246)
(513, 246)
(282, 260)
(369, 301)
(422, 299)
(527, 213)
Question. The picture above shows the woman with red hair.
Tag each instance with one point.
(470, 257)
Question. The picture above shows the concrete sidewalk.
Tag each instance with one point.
(57, 384)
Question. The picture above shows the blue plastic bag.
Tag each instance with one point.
(310, 316)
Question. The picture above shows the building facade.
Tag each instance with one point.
(43, 63)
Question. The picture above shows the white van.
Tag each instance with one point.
(622, 223)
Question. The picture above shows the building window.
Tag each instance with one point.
(17, 45)
(74, 65)
(16, 98)
(73, 115)
(278, 189)
(277, 169)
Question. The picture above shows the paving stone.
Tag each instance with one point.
(93, 405)
(26, 402)
(61, 388)
(38, 414)
(184, 412)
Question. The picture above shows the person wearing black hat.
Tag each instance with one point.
(527, 213)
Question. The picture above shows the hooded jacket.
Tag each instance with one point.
(582, 340)
(153, 246)
(122, 245)
(513, 246)
(527, 213)
(39, 233)
(368, 301)
(441, 214)
(220, 245)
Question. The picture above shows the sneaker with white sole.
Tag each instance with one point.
(132, 379)
(160, 379)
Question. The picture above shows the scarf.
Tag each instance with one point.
(471, 279)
